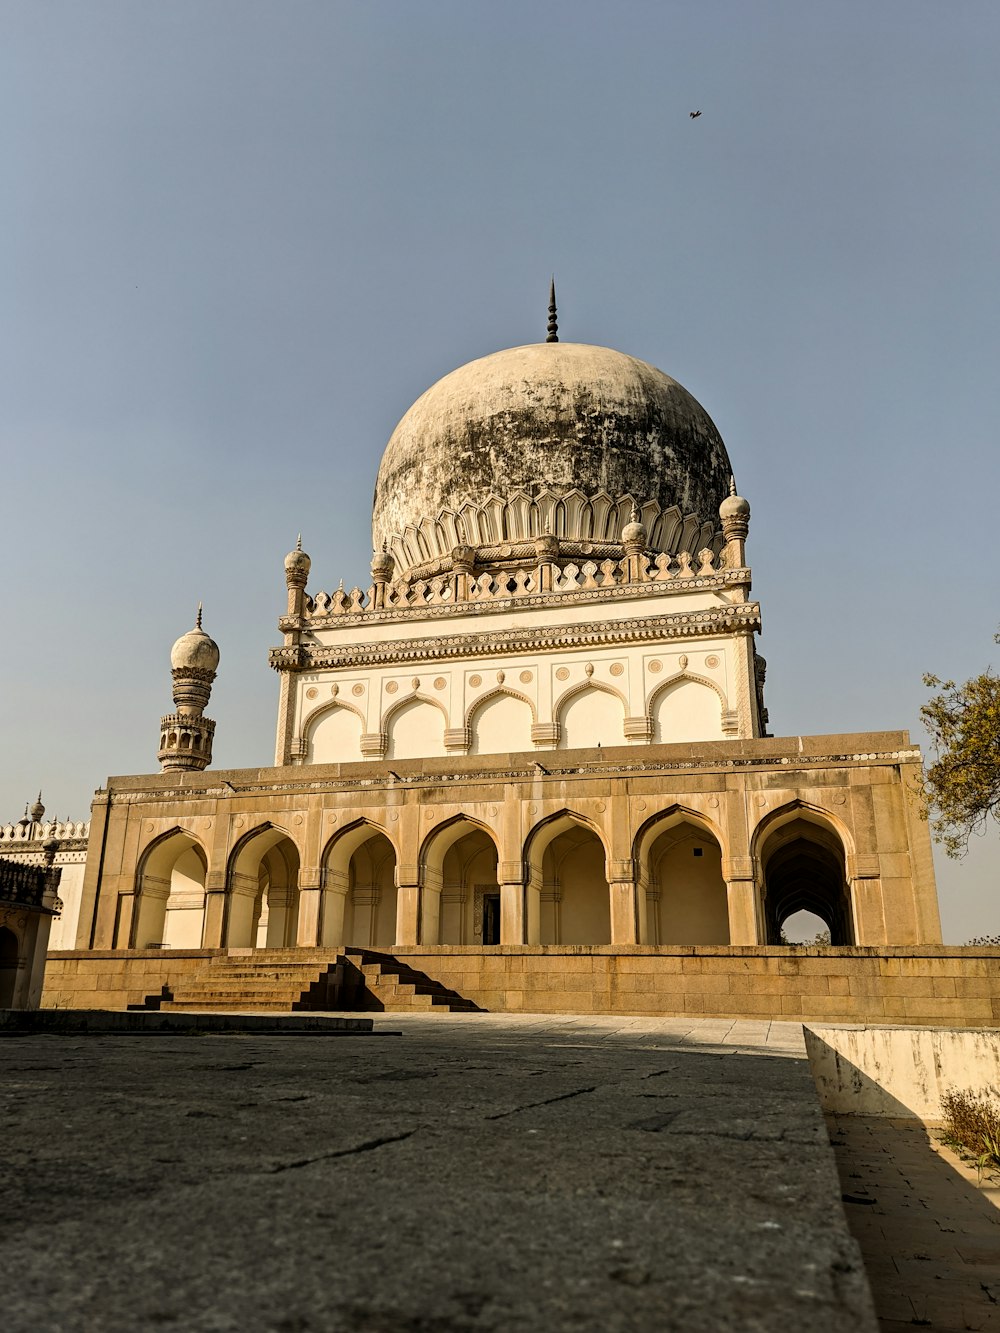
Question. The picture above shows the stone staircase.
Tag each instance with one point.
(284, 980)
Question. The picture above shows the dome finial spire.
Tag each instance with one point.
(197, 619)
(553, 333)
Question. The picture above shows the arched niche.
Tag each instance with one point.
(415, 730)
(359, 896)
(686, 708)
(263, 891)
(170, 893)
(590, 716)
(501, 723)
(568, 896)
(460, 891)
(802, 856)
(334, 735)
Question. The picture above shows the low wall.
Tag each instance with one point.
(115, 978)
(899, 1071)
(931, 985)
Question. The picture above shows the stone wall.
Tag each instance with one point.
(933, 985)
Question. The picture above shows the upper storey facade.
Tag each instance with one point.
(559, 563)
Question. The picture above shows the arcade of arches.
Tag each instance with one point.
(565, 890)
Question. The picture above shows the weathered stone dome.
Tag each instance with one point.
(195, 651)
(559, 437)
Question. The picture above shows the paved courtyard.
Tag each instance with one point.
(487, 1172)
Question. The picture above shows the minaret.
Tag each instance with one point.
(735, 514)
(186, 735)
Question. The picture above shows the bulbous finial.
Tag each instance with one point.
(195, 650)
(297, 566)
(634, 534)
(38, 810)
(734, 507)
(553, 328)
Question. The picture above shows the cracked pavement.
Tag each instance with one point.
(480, 1172)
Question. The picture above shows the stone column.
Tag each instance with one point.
(215, 910)
(513, 922)
(867, 907)
(743, 899)
(310, 905)
(621, 887)
(407, 904)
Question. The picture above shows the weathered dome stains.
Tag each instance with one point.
(550, 417)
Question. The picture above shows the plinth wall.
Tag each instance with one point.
(933, 985)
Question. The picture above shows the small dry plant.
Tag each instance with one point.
(972, 1124)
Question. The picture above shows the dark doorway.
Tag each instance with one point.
(8, 967)
(491, 918)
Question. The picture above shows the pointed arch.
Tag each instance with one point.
(338, 737)
(682, 894)
(802, 852)
(459, 883)
(359, 886)
(169, 907)
(679, 677)
(600, 728)
(567, 895)
(495, 726)
(262, 888)
(417, 741)
(494, 693)
(695, 719)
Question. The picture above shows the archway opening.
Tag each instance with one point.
(416, 731)
(569, 900)
(804, 928)
(263, 898)
(686, 893)
(804, 871)
(461, 891)
(170, 895)
(370, 908)
(8, 967)
(500, 724)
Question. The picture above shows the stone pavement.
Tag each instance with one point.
(475, 1173)
(930, 1238)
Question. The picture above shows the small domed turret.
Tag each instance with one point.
(186, 735)
(735, 514)
(734, 506)
(195, 650)
(38, 810)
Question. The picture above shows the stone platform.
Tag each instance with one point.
(478, 1173)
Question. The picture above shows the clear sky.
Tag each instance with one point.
(238, 239)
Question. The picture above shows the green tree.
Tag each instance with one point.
(962, 784)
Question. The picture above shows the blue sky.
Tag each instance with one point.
(238, 239)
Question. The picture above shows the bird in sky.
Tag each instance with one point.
(694, 114)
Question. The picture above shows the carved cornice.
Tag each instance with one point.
(738, 618)
(723, 581)
(298, 779)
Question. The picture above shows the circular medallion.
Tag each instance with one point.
(714, 802)
(840, 799)
(394, 814)
(655, 666)
(391, 687)
(439, 682)
(332, 816)
(297, 819)
(762, 800)
(357, 690)
(475, 681)
(617, 669)
(206, 823)
(526, 678)
(562, 673)
(493, 810)
(149, 828)
(532, 809)
(239, 821)
(312, 692)
(431, 816)
(600, 807)
(640, 805)
(711, 660)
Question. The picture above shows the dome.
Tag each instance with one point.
(559, 437)
(195, 651)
